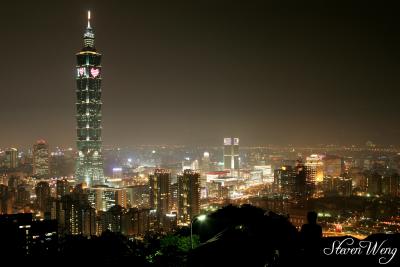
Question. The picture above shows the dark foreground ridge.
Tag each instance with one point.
(232, 236)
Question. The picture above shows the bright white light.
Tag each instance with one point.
(227, 141)
(129, 160)
(202, 217)
(153, 151)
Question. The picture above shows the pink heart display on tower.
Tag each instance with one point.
(81, 71)
(94, 72)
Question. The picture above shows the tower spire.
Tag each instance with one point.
(88, 22)
(88, 36)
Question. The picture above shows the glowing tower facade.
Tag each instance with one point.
(231, 155)
(89, 163)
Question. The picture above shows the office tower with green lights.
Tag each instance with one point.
(89, 163)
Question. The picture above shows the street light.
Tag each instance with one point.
(200, 218)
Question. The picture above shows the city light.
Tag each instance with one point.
(202, 217)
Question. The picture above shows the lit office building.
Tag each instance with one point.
(188, 195)
(138, 196)
(11, 160)
(333, 166)
(267, 173)
(88, 224)
(204, 167)
(205, 162)
(41, 159)
(160, 183)
(62, 188)
(112, 219)
(231, 155)
(337, 186)
(314, 168)
(75, 217)
(284, 180)
(391, 185)
(121, 197)
(102, 197)
(89, 164)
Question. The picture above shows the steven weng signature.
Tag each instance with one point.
(364, 248)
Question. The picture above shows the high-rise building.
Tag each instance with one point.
(391, 185)
(11, 160)
(135, 222)
(88, 221)
(13, 182)
(121, 197)
(333, 166)
(41, 159)
(42, 190)
(231, 155)
(89, 163)
(112, 219)
(6, 200)
(205, 167)
(138, 196)
(302, 189)
(205, 162)
(173, 203)
(160, 188)
(75, 217)
(374, 183)
(188, 195)
(102, 197)
(23, 195)
(62, 188)
(284, 180)
(337, 186)
(314, 168)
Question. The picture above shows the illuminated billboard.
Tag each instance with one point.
(227, 141)
(236, 141)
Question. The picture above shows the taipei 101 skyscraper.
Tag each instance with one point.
(89, 162)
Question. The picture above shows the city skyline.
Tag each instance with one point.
(300, 75)
(272, 127)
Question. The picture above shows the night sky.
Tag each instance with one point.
(192, 72)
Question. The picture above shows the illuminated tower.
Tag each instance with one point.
(231, 155)
(89, 164)
(41, 159)
(160, 188)
(11, 158)
(188, 195)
